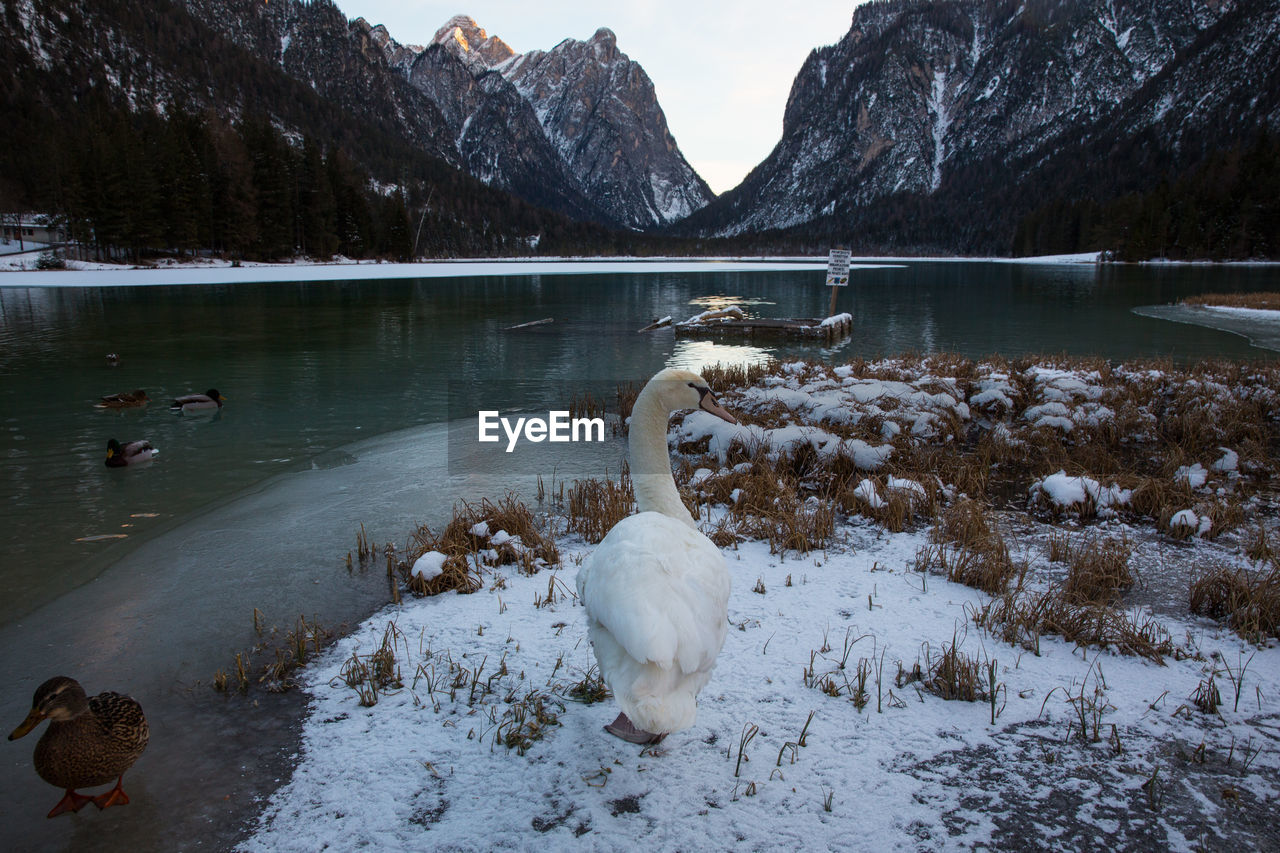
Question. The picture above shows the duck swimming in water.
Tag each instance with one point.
(129, 453)
(124, 400)
(210, 399)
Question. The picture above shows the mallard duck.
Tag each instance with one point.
(656, 589)
(210, 399)
(90, 741)
(129, 453)
(124, 400)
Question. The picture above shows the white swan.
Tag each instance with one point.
(657, 590)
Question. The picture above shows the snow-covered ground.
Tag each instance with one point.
(787, 752)
(21, 270)
(1247, 313)
(82, 274)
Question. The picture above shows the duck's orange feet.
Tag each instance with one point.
(115, 797)
(70, 802)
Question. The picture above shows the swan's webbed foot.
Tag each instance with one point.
(625, 729)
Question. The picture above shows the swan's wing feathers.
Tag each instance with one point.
(661, 590)
(625, 608)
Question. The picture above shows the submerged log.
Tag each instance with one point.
(830, 328)
(657, 324)
(541, 322)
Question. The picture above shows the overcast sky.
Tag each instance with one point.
(722, 70)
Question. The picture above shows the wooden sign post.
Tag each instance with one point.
(837, 275)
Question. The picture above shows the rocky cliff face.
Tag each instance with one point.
(581, 113)
(456, 97)
(494, 131)
(313, 42)
(931, 99)
(600, 112)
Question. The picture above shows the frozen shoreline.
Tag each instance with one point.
(816, 645)
(221, 272)
(1259, 327)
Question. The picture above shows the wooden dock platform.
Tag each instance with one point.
(829, 329)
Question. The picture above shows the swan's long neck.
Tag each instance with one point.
(651, 462)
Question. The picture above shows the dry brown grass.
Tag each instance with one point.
(465, 552)
(770, 498)
(377, 673)
(723, 376)
(1258, 548)
(1249, 601)
(275, 658)
(1264, 301)
(526, 720)
(593, 506)
(969, 549)
(954, 675)
(1021, 618)
(1159, 497)
(1098, 571)
(894, 508)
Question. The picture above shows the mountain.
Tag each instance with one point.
(600, 112)
(494, 131)
(940, 124)
(313, 43)
(250, 130)
(582, 114)
(449, 100)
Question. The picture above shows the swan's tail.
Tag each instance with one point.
(669, 712)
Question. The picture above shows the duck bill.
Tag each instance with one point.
(33, 719)
(709, 404)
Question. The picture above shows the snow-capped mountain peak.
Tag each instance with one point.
(606, 45)
(469, 41)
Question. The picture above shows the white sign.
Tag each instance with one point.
(838, 268)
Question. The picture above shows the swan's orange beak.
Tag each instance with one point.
(708, 403)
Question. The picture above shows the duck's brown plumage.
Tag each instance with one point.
(125, 400)
(90, 740)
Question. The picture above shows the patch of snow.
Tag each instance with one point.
(1078, 493)
(429, 565)
(700, 476)
(1193, 475)
(1230, 461)
(866, 491)
(1188, 520)
(937, 104)
(901, 484)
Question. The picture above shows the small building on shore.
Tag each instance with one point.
(19, 229)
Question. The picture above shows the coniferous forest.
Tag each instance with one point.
(147, 133)
(233, 157)
(1226, 207)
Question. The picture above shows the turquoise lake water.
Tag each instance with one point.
(339, 400)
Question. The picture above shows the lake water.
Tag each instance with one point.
(339, 398)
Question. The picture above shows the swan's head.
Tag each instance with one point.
(684, 389)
